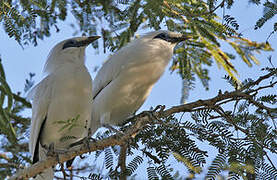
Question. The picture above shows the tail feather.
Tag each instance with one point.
(47, 174)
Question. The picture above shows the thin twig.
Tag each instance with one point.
(265, 87)
(212, 11)
(175, 12)
(270, 161)
(63, 171)
(220, 111)
(142, 120)
(117, 139)
(192, 15)
(259, 80)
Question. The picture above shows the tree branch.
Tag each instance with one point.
(22, 100)
(140, 120)
(259, 80)
(270, 161)
(117, 139)
(175, 12)
(191, 15)
(122, 161)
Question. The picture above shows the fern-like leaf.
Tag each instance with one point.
(151, 173)
(134, 164)
(216, 166)
(108, 158)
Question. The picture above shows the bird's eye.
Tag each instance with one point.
(70, 43)
(163, 36)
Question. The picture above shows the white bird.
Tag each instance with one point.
(63, 97)
(125, 80)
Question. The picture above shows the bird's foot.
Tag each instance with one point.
(112, 129)
(85, 141)
(159, 108)
(152, 114)
(51, 151)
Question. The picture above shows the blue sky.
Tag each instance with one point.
(19, 62)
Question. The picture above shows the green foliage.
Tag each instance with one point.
(242, 133)
(13, 128)
(29, 82)
(108, 158)
(134, 164)
(268, 172)
(231, 25)
(151, 173)
(117, 22)
(270, 10)
(216, 166)
(257, 2)
(27, 21)
(163, 171)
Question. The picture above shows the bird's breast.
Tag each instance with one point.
(71, 101)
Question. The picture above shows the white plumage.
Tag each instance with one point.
(124, 82)
(64, 94)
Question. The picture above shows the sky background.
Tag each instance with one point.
(19, 62)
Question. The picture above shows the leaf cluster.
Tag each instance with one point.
(117, 22)
(13, 128)
(270, 9)
(242, 135)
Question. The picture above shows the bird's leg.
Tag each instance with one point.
(85, 141)
(52, 152)
(149, 114)
(105, 117)
(159, 109)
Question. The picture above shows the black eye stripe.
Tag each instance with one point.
(166, 37)
(70, 43)
(163, 36)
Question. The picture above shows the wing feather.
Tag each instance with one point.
(106, 75)
(41, 95)
(110, 70)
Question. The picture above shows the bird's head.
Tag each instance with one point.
(165, 38)
(156, 45)
(68, 51)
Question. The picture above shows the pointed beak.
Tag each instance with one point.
(184, 37)
(88, 40)
(178, 39)
(93, 38)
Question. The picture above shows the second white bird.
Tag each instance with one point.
(126, 79)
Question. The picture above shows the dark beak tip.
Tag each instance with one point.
(93, 38)
(185, 37)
